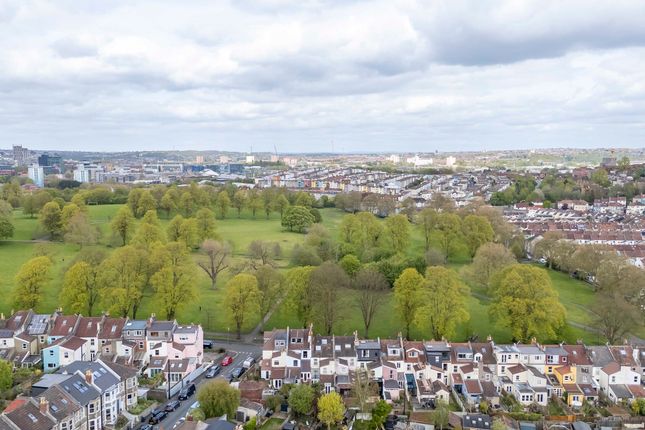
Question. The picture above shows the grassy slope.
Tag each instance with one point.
(575, 295)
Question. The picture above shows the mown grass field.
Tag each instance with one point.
(575, 295)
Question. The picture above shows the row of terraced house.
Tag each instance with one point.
(91, 365)
(427, 371)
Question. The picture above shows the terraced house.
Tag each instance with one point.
(428, 371)
(92, 365)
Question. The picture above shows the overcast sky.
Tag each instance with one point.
(310, 76)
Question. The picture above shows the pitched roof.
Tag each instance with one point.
(102, 378)
(77, 387)
(29, 417)
(61, 404)
(112, 328)
(89, 326)
(64, 325)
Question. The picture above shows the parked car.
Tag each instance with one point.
(157, 417)
(227, 360)
(237, 372)
(248, 363)
(172, 405)
(146, 427)
(186, 392)
(213, 371)
(208, 344)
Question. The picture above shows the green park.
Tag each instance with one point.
(239, 230)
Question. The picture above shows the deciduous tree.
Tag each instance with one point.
(149, 231)
(6, 375)
(331, 409)
(217, 256)
(443, 303)
(449, 228)
(525, 301)
(281, 204)
(50, 218)
(242, 300)
(174, 282)
(372, 288)
(123, 277)
(79, 231)
(408, 290)
(380, 412)
(6, 228)
(270, 283)
(239, 201)
(223, 203)
(206, 224)
(297, 218)
(217, 398)
(477, 231)
(427, 219)
(489, 259)
(398, 230)
(168, 202)
(350, 264)
(328, 282)
(81, 288)
(301, 399)
(123, 224)
(30, 281)
(145, 203)
(300, 297)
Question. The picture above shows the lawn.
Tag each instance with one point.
(207, 309)
(272, 424)
(575, 295)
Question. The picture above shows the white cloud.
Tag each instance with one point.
(373, 75)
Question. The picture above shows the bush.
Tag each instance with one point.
(350, 264)
(304, 256)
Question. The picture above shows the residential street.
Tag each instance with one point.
(238, 351)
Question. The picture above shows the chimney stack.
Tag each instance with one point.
(88, 376)
(44, 406)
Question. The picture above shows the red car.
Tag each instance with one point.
(227, 360)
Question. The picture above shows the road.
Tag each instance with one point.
(239, 352)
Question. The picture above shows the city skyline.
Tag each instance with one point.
(368, 76)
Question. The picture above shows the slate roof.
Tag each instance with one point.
(61, 404)
(136, 325)
(101, 376)
(29, 417)
(76, 387)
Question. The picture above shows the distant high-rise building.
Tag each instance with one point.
(450, 161)
(88, 172)
(250, 159)
(36, 173)
(199, 159)
(49, 160)
(21, 155)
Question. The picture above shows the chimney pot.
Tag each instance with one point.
(44, 405)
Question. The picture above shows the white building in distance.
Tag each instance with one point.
(36, 174)
(88, 172)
